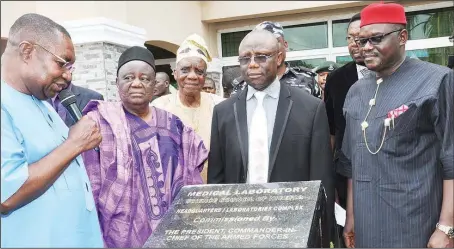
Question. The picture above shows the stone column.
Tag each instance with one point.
(98, 44)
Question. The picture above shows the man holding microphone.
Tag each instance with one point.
(46, 199)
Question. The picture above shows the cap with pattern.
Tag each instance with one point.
(272, 27)
(193, 46)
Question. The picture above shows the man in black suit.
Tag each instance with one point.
(337, 85)
(293, 126)
(83, 96)
(299, 76)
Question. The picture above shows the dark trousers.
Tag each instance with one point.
(341, 188)
(340, 184)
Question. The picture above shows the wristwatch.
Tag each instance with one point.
(447, 230)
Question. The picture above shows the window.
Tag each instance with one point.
(427, 29)
(435, 55)
(421, 25)
(307, 36)
(430, 23)
(307, 63)
(342, 60)
(231, 42)
(299, 37)
(340, 33)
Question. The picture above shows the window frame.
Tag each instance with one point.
(332, 52)
(418, 12)
(310, 24)
(332, 28)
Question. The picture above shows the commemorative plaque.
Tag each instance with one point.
(280, 215)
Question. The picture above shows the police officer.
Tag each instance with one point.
(238, 84)
(322, 72)
(294, 76)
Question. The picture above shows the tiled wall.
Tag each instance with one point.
(112, 53)
(96, 67)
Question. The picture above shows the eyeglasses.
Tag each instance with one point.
(63, 63)
(374, 40)
(351, 39)
(261, 58)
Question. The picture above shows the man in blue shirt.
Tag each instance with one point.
(46, 198)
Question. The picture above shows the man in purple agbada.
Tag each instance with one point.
(146, 156)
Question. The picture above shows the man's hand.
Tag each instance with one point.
(349, 232)
(349, 228)
(85, 134)
(440, 240)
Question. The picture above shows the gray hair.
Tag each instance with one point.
(36, 28)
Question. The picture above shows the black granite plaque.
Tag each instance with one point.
(287, 215)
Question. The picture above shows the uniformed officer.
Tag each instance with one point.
(294, 76)
(322, 72)
(238, 84)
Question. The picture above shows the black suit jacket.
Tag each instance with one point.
(300, 146)
(336, 88)
(83, 96)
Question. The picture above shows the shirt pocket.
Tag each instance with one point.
(361, 170)
(70, 179)
(353, 120)
(406, 122)
(74, 175)
(353, 108)
(61, 183)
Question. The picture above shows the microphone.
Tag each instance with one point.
(68, 100)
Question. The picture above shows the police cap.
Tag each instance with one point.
(327, 66)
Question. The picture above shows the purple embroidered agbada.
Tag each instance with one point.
(139, 169)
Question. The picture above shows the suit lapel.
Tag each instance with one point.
(239, 109)
(351, 74)
(75, 90)
(282, 113)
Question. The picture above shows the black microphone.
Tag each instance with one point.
(68, 100)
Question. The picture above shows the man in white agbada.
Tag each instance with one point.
(189, 103)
